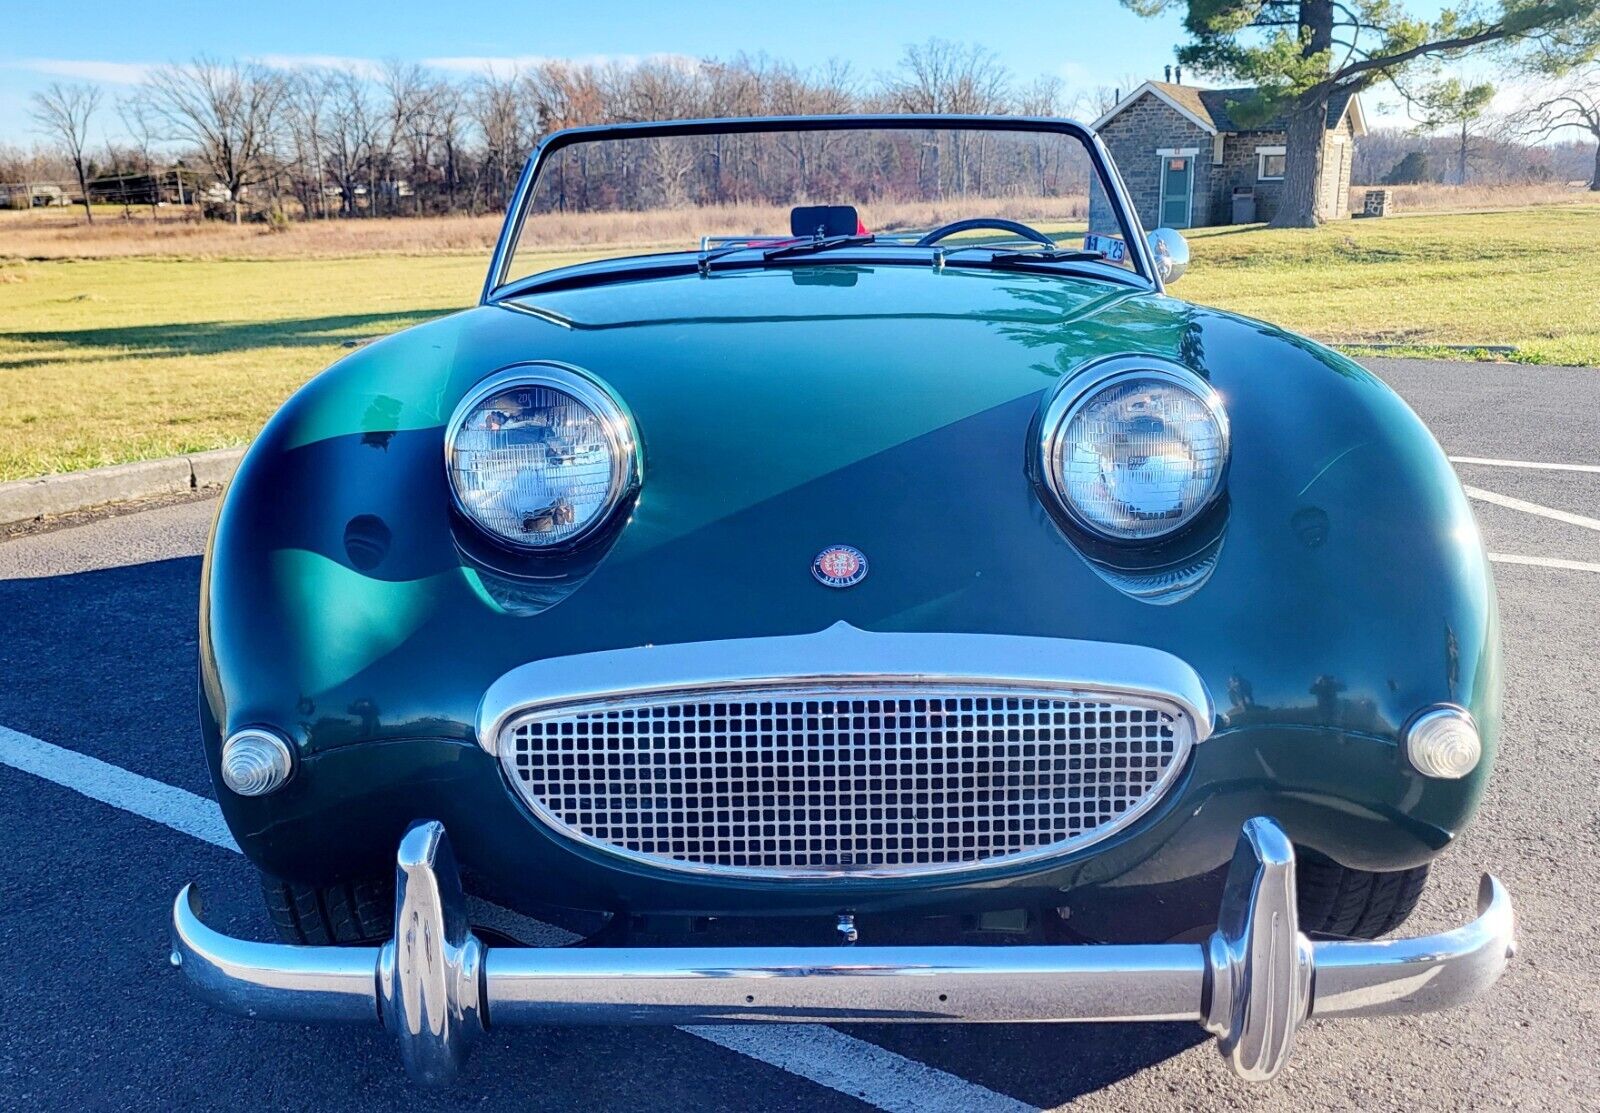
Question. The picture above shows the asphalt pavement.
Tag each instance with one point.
(106, 810)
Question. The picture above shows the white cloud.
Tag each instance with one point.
(1513, 93)
(362, 67)
(1076, 75)
(133, 73)
(509, 63)
(112, 73)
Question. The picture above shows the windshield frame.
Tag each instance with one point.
(1116, 191)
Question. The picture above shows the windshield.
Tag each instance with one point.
(739, 193)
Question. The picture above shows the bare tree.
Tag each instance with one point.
(1041, 97)
(305, 113)
(1572, 105)
(378, 136)
(63, 112)
(405, 132)
(497, 110)
(137, 123)
(830, 90)
(450, 124)
(226, 112)
(352, 136)
(942, 76)
(1450, 104)
(946, 77)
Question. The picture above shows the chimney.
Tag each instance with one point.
(1177, 75)
(1168, 75)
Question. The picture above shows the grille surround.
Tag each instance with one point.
(1000, 820)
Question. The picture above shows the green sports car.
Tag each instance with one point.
(833, 521)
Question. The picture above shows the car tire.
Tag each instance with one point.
(1337, 901)
(352, 915)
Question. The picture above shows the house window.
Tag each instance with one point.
(1270, 162)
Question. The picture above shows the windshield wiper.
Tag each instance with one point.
(821, 243)
(1046, 255)
(784, 250)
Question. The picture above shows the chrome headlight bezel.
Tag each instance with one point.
(616, 425)
(1084, 386)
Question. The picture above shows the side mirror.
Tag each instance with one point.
(1172, 254)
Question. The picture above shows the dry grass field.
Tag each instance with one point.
(1434, 198)
(62, 233)
(119, 232)
(131, 342)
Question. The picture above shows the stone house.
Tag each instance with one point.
(1187, 162)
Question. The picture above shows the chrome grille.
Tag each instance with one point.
(876, 780)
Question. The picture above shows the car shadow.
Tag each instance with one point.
(1046, 1065)
(206, 337)
(104, 662)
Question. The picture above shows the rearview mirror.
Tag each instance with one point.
(1172, 254)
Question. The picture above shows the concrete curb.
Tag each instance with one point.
(1497, 349)
(23, 500)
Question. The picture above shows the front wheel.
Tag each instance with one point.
(1338, 901)
(353, 915)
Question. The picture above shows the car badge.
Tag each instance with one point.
(840, 566)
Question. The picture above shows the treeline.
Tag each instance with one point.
(400, 139)
(1396, 156)
(243, 139)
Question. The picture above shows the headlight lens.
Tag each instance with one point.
(539, 456)
(1444, 743)
(1139, 452)
(256, 762)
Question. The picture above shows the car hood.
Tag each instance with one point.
(751, 382)
(784, 410)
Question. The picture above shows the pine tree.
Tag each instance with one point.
(1302, 53)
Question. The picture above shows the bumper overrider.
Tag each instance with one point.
(438, 987)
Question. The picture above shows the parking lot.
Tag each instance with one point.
(106, 810)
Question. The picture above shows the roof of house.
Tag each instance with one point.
(1209, 107)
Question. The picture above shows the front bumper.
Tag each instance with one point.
(1252, 984)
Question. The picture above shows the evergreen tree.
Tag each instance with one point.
(1302, 53)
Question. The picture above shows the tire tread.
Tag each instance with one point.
(1337, 901)
(349, 914)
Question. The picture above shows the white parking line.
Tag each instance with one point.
(111, 784)
(857, 1068)
(1545, 562)
(863, 1070)
(1487, 462)
(1531, 508)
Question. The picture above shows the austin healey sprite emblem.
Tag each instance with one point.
(840, 566)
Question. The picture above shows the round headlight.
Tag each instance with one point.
(1139, 451)
(539, 455)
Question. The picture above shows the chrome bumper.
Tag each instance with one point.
(438, 987)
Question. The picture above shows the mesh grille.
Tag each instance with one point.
(890, 780)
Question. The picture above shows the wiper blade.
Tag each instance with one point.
(1046, 256)
(1049, 255)
(811, 247)
(709, 257)
(784, 249)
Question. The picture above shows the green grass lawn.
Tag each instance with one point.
(1523, 277)
(123, 359)
(127, 359)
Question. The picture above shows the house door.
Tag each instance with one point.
(1177, 190)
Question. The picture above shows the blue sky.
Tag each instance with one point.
(1086, 43)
